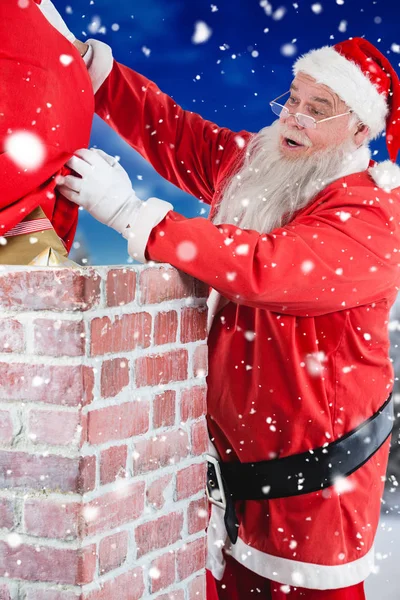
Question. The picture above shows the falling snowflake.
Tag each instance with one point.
(343, 215)
(202, 33)
(66, 59)
(240, 142)
(37, 381)
(343, 485)
(288, 50)
(186, 251)
(279, 13)
(95, 25)
(154, 573)
(14, 540)
(90, 513)
(314, 363)
(243, 249)
(26, 150)
(317, 8)
(307, 266)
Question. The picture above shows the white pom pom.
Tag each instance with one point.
(386, 174)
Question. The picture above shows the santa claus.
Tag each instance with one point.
(301, 251)
(40, 128)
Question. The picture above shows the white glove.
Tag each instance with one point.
(104, 189)
(54, 17)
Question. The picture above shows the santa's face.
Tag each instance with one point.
(320, 102)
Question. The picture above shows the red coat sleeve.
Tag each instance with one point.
(317, 264)
(190, 152)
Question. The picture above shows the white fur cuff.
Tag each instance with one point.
(150, 214)
(99, 63)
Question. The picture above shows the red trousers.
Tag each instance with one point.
(239, 583)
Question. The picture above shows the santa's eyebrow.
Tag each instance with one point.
(314, 98)
(322, 100)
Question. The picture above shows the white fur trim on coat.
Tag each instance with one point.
(307, 575)
(150, 214)
(346, 79)
(386, 175)
(99, 61)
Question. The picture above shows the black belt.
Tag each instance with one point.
(297, 474)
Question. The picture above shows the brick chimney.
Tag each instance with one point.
(102, 434)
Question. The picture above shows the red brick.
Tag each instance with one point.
(191, 480)
(68, 566)
(174, 595)
(160, 284)
(43, 594)
(193, 324)
(113, 551)
(163, 450)
(113, 464)
(6, 513)
(51, 518)
(87, 564)
(6, 427)
(199, 437)
(164, 409)
(11, 336)
(54, 337)
(191, 558)
(52, 384)
(123, 334)
(54, 427)
(50, 289)
(87, 473)
(165, 327)
(159, 533)
(200, 361)
(128, 586)
(159, 369)
(162, 573)
(114, 376)
(120, 286)
(197, 515)
(118, 422)
(4, 592)
(155, 491)
(193, 402)
(197, 588)
(35, 471)
(114, 508)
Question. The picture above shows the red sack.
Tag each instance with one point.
(46, 95)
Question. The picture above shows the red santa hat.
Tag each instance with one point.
(364, 79)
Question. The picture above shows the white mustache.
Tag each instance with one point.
(296, 136)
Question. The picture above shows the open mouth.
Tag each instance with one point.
(292, 143)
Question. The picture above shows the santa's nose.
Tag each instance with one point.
(291, 121)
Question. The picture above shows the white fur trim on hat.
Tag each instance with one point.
(344, 77)
(386, 174)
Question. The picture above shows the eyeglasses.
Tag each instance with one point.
(302, 120)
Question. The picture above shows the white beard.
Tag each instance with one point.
(269, 188)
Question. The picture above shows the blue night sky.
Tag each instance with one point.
(228, 79)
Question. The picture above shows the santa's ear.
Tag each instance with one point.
(362, 133)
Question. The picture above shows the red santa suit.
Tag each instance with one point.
(298, 346)
(47, 94)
